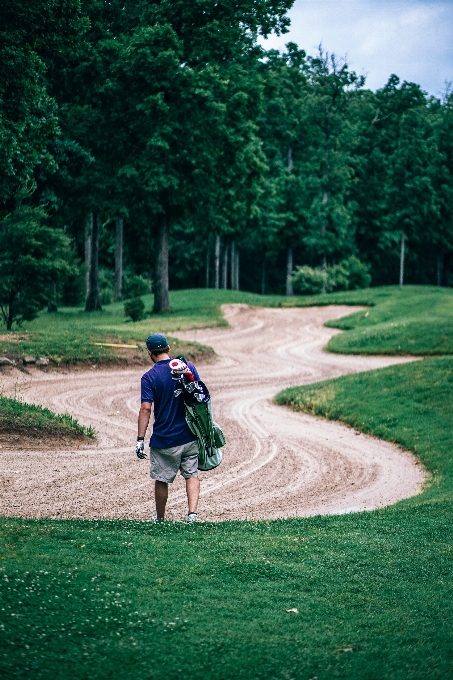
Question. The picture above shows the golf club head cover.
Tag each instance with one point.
(179, 369)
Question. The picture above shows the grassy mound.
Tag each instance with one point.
(27, 419)
(414, 320)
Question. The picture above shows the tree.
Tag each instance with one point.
(378, 171)
(33, 35)
(153, 102)
(328, 168)
(32, 256)
(280, 222)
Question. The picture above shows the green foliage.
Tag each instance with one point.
(309, 280)
(134, 308)
(35, 38)
(28, 419)
(135, 286)
(356, 273)
(32, 255)
(349, 274)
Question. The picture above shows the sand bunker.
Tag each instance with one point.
(277, 463)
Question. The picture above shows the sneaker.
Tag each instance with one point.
(192, 517)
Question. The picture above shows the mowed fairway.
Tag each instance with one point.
(372, 590)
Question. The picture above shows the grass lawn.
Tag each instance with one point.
(88, 600)
(28, 419)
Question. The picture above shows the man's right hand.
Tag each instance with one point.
(140, 449)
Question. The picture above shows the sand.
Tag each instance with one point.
(277, 463)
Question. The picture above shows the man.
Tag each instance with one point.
(173, 447)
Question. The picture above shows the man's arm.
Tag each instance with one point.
(143, 418)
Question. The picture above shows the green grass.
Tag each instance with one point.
(20, 418)
(130, 600)
(414, 320)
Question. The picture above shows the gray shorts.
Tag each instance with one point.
(165, 463)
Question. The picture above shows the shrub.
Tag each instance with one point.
(349, 274)
(134, 286)
(134, 308)
(308, 280)
(357, 272)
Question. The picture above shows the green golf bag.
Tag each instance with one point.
(197, 402)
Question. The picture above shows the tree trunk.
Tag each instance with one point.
(88, 237)
(324, 271)
(237, 285)
(93, 301)
(208, 253)
(263, 277)
(289, 272)
(225, 268)
(10, 317)
(161, 288)
(439, 269)
(446, 273)
(403, 239)
(52, 305)
(217, 262)
(290, 158)
(119, 259)
(233, 266)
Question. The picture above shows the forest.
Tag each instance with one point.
(155, 145)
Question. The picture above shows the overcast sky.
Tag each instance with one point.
(411, 38)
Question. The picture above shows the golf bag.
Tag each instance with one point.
(197, 403)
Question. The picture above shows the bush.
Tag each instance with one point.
(308, 280)
(134, 286)
(134, 308)
(349, 274)
(357, 273)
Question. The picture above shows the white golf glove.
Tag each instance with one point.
(140, 449)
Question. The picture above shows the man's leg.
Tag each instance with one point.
(193, 492)
(161, 495)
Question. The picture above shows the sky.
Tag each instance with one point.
(411, 38)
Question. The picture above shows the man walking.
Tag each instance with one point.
(173, 447)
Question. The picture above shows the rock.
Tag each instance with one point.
(4, 361)
(29, 360)
(42, 361)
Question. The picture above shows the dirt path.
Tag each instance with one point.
(277, 463)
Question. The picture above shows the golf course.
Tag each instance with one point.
(265, 588)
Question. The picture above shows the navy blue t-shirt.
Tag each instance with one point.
(158, 387)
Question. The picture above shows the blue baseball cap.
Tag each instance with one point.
(156, 341)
